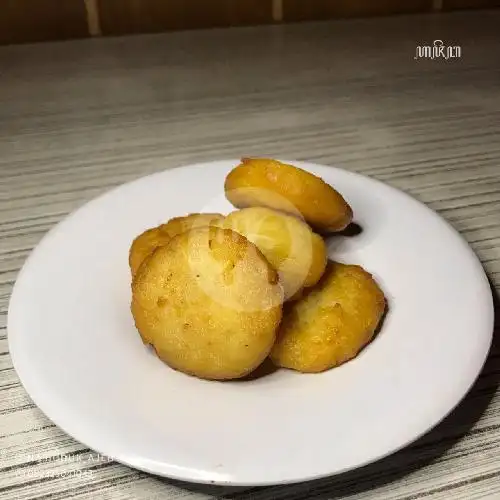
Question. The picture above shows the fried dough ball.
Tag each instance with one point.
(332, 322)
(270, 183)
(209, 303)
(147, 242)
(291, 247)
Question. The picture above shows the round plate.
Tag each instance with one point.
(76, 350)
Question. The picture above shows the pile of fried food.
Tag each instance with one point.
(217, 295)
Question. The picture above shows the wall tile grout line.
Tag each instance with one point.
(93, 17)
(277, 11)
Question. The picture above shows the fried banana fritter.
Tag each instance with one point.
(332, 322)
(209, 303)
(291, 247)
(270, 183)
(147, 242)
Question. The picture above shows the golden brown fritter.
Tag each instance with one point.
(332, 322)
(292, 248)
(209, 303)
(147, 242)
(270, 183)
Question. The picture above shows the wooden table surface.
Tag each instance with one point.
(79, 118)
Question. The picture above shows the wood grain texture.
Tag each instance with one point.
(81, 117)
(142, 16)
(41, 20)
(299, 10)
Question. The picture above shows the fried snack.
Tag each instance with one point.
(147, 242)
(291, 247)
(332, 322)
(270, 183)
(209, 303)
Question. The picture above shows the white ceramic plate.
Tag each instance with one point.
(77, 353)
